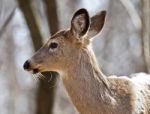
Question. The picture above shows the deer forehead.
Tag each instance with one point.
(58, 35)
(65, 37)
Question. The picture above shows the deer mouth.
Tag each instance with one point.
(35, 71)
(28, 67)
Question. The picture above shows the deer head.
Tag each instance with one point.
(63, 49)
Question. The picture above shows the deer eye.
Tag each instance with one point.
(53, 45)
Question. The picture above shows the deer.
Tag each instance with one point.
(69, 53)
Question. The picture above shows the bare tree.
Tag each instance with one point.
(3, 28)
(51, 11)
(44, 93)
(145, 32)
(31, 23)
(120, 35)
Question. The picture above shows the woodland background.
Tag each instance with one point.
(122, 48)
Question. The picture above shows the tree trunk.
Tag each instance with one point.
(31, 23)
(145, 32)
(45, 94)
(51, 11)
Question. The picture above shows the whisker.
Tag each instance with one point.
(34, 77)
(37, 76)
(56, 82)
(42, 75)
(50, 77)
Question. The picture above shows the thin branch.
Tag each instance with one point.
(146, 32)
(136, 20)
(6, 23)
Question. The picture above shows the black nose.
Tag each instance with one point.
(26, 65)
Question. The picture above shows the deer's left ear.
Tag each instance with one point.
(80, 23)
(97, 23)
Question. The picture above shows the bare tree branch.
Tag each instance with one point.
(6, 23)
(51, 11)
(31, 23)
(146, 32)
(136, 20)
(44, 93)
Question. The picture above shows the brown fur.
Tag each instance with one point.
(90, 90)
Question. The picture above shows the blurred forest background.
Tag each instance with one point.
(122, 48)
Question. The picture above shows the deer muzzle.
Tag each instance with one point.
(27, 66)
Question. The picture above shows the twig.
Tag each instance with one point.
(146, 33)
(6, 23)
(132, 13)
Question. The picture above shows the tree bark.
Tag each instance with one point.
(45, 94)
(145, 32)
(51, 11)
(6, 23)
(31, 23)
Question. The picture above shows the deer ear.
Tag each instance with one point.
(97, 23)
(80, 23)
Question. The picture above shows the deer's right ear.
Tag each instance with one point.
(80, 23)
(97, 23)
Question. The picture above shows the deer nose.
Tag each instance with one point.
(26, 65)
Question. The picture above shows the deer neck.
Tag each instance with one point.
(86, 85)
